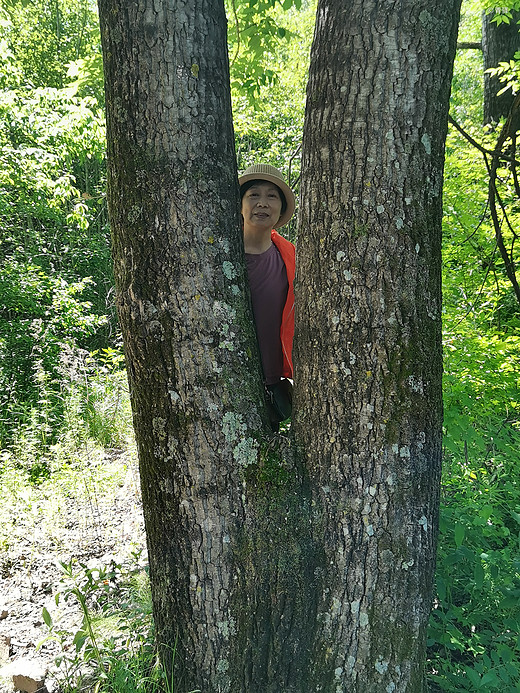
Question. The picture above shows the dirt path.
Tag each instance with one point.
(87, 512)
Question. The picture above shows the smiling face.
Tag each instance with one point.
(261, 207)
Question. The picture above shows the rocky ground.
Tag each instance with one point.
(87, 513)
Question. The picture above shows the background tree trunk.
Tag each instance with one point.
(368, 341)
(500, 42)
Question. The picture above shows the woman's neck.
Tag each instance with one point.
(256, 242)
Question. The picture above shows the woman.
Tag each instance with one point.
(267, 204)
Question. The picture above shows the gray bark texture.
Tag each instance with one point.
(500, 42)
(226, 512)
(278, 568)
(368, 360)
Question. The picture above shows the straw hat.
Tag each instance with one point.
(272, 175)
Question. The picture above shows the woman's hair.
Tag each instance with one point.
(250, 183)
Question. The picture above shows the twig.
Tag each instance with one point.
(237, 26)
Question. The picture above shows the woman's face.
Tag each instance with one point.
(261, 207)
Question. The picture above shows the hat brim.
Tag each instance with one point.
(289, 195)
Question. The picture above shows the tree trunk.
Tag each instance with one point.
(269, 574)
(226, 511)
(500, 42)
(173, 199)
(368, 365)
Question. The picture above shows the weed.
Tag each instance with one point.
(113, 649)
(474, 626)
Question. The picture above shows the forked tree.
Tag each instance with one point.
(282, 564)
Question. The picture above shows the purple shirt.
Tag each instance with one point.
(269, 285)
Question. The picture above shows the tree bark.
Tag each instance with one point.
(500, 42)
(183, 309)
(368, 398)
(225, 505)
(272, 571)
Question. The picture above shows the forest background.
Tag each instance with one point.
(62, 379)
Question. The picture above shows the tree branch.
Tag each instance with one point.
(468, 137)
(493, 195)
(497, 156)
(477, 45)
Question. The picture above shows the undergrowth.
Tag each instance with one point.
(474, 640)
(87, 404)
(113, 650)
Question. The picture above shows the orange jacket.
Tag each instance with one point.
(288, 253)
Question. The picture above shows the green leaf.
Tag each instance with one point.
(489, 678)
(459, 532)
(452, 558)
(79, 639)
(478, 575)
(510, 602)
(441, 588)
(486, 511)
(473, 676)
(47, 618)
(505, 653)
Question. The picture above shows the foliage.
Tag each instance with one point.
(481, 198)
(467, 89)
(258, 30)
(502, 11)
(86, 403)
(474, 627)
(41, 39)
(56, 272)
(39, 322)
(116, 624)
(102, 398)
(476, 282)
(473, 636)
(508, 74)
(52, 177)
(269, 129)
(113, 649)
